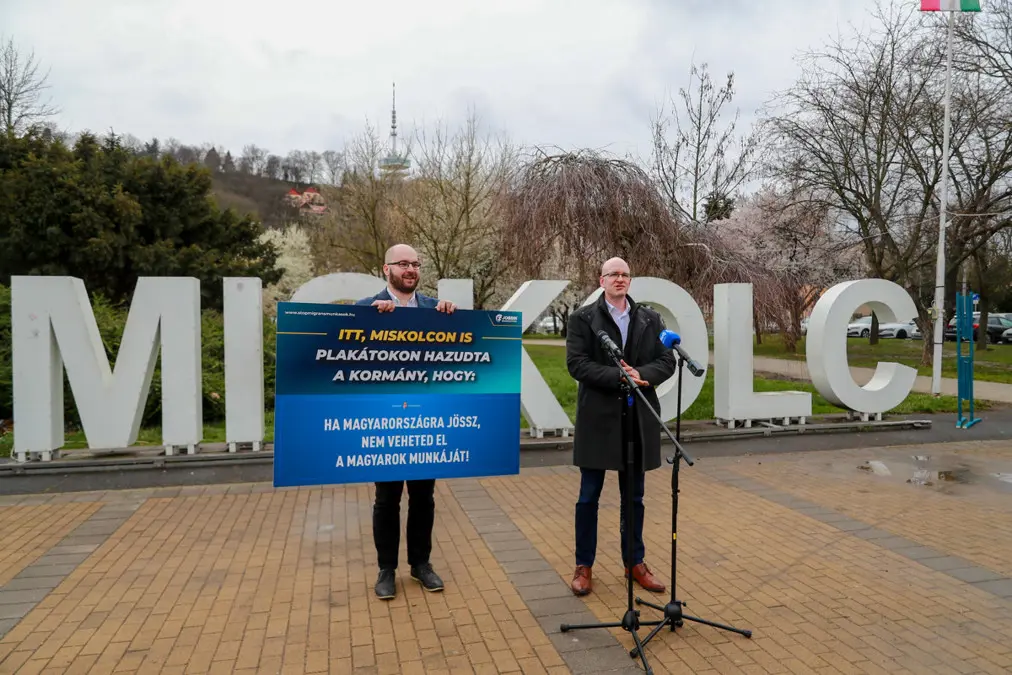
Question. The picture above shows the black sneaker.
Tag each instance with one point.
(386, 588)
(424, 575)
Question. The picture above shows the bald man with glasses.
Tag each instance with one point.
(403, 271)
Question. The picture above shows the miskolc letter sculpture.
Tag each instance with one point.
(54, 329)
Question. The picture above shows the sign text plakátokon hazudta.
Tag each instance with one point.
(54, 329)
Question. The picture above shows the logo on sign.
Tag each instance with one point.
(508, 318)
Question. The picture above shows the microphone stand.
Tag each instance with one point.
(673, 615)
(631, 619)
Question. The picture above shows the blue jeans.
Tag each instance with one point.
(591, 484)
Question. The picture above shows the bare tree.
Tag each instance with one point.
(272, 167)
(21, 90)
(333, 162)
(582, 206)
(983, 56)
(699, 161)
(449, 208)
(861, 131)
(313, 164)
(985, 42)
(253, 160)
(359, 226)
(294, 166)
(572, 211)
(188, 154)
(170, 147)
(843, 133)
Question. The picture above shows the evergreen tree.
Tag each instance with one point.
(212, 160)
(98, 212)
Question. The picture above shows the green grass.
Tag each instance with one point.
(542, 336)
(991, 365)
(551, 362)
(213, 433)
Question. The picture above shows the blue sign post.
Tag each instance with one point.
(364, 396)
(964, 362)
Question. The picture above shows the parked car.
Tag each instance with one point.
(859, 327)
(862, 328)
(546, 324)
(900, 330)
(997, 326)
(1007, 336)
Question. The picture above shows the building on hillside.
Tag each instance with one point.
(394, 163)
(309, 202)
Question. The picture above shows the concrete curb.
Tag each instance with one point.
(217, 455)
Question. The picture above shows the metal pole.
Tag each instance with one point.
(936, 371)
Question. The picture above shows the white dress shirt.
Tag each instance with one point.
(621, 318)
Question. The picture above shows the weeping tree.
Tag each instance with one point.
(582, 206)
(567, 213)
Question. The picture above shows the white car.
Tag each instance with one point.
(859, 327)
(1007, 336)
(547, 324)
(900, 331)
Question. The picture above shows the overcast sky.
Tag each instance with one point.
(296, 75)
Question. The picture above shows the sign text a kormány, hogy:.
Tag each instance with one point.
(54, 329)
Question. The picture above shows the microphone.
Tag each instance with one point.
(609, 344)
(673, 340)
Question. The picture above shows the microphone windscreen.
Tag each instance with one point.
(669, 338)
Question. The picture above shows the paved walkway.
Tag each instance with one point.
(798, 370)
(835, 561)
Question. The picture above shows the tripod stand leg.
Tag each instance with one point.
(640, 653)
(740, 631)
(673, 615)
(650, 636)
(631, 619)
(640, 601)
(580, 626)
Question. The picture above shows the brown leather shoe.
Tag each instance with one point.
(581, 584)
(645, 578)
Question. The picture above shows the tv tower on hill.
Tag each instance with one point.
(394, 162)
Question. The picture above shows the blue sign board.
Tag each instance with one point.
(364, 396)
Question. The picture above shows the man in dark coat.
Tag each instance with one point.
(600, 406)
(402, 269)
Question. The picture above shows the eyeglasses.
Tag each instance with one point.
(617, 275)
(404, 264)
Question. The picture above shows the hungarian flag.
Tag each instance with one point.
(950, 5)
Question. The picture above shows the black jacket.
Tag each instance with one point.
(598, 435)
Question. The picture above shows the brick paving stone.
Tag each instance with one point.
(928, 516)
(835, 570)
(819, 597)
(29, 531)
(227, 580)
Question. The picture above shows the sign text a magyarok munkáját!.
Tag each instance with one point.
(54, 329)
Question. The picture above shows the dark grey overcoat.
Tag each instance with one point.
(598, 435)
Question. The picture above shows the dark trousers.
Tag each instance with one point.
(386, 521)
(591, 484)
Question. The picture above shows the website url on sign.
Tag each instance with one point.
(304, 313)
